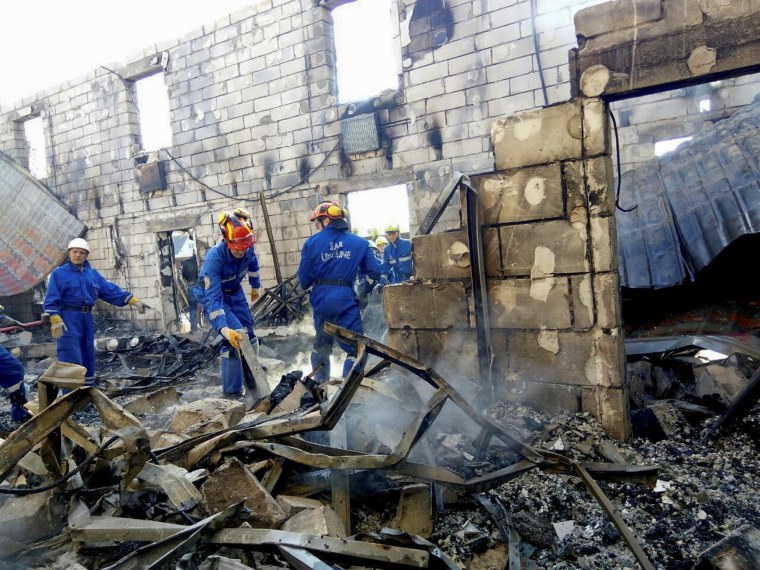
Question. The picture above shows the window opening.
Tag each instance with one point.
(663, 147)
(153, 108)
(705, 105)
(364, 52)
(35, 142)
(371, 211)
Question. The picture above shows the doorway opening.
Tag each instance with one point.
(185, 269)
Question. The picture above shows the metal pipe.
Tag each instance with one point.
(268, 225)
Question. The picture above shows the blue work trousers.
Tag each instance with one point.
(11, 370)
(77, 344)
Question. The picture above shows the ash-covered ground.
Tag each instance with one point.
(704, 492)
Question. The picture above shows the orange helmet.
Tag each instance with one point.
(237, 229)
(329, 210)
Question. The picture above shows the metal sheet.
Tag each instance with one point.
(35, 229)
(691, 203)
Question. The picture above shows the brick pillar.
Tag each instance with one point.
(549, 239)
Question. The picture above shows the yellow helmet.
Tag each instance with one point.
(381, 240)
(392, 229)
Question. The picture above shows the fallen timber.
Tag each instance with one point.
(325, 417)
(276, 437)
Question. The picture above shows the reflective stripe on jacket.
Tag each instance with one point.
(397, 261)
(219, 281)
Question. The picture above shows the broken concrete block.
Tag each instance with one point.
(426, 305)
(294, 505)
(206, 416)
(610, 452)
(234, 482)
(154, 403)
(522, 195)
(740, 550)
(29, 517)
(538, 136)
(160, 439)
(657, 421)
(443, 255)
(320, 522)
(414, 511)
(725, 382)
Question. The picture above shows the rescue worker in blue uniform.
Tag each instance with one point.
(364, 283)
(12, 378)
(330, 260)
(397, 258)
(220, 292)
(72, 291)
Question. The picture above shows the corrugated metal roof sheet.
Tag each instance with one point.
(35, 229)
(692, 203)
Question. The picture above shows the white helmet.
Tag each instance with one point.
(372, 244)
(80, 243)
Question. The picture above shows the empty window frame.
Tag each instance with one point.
(34, 135)
(367, 61)
(153, 107)
(371, 211)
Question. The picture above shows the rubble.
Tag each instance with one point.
(252, 488)
(232, 483)
(206, 416)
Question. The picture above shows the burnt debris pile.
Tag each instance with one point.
(391, 467)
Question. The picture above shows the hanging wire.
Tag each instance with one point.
(190, 174)
(308, 174)
(538, 52)
(619, 175)
(186, 171)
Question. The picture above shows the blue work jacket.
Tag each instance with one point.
(397, 261)
(330, 261)
(219, 281)
(71, 287)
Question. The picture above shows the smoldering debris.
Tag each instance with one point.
(291, 484)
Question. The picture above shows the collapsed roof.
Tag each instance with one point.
(35, 228)
(690, 204)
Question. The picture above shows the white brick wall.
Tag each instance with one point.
(245, 110)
